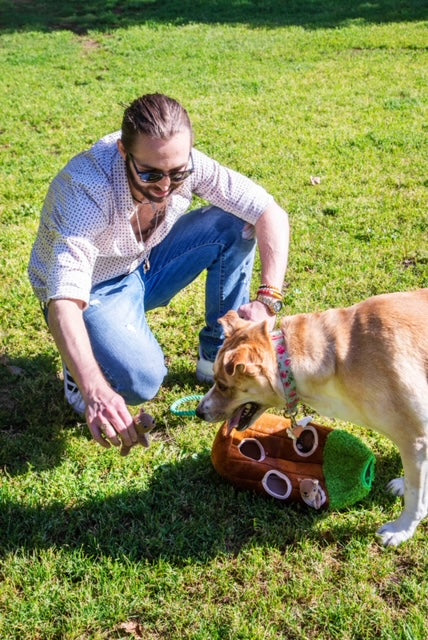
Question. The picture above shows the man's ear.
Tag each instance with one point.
(122, 149)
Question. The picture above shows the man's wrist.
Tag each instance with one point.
(271, 297)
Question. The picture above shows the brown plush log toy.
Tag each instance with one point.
(311, 464)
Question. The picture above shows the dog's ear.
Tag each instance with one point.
(265, 329)
(232, 360)
(231, 321)
(239, 361)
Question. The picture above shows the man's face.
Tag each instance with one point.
(152, 154)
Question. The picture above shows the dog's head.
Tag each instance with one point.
(244, 375)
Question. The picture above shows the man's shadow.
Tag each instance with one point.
(35, 417)
(186, 512)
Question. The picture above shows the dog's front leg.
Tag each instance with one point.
(415, 464)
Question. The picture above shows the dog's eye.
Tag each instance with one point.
(221, 387)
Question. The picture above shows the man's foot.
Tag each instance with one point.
(72, 393)
(204, 370)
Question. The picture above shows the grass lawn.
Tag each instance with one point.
(157, 545)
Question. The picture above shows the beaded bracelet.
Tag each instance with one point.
(271, 288)
(270, 294)
(273, 292)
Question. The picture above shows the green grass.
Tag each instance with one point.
(157, 545)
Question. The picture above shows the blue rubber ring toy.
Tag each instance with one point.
(187, 413)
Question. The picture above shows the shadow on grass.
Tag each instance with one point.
(33, 415)
(80, 17)
(187, 512)
(180, 376)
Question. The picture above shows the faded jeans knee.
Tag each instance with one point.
(122, 342)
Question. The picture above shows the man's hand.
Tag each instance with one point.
(110, 422)
(257, 312)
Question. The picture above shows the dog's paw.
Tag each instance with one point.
(393, 534)
(396, 487)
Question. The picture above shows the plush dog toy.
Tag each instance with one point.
(311, 464)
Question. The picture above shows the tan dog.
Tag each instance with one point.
(366, 364)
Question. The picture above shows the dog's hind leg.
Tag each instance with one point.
(414, 456)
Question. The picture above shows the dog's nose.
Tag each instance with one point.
(199, 412)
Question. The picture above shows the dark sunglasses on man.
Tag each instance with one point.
(156, 175)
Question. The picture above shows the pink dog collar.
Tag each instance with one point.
(284, 365)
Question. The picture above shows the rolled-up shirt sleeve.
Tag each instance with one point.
(229, 189)
(67, 248)
(70, 274)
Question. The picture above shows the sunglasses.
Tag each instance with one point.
(156, 175)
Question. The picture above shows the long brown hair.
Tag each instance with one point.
(154, 115)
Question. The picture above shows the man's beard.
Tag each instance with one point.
(143, 193)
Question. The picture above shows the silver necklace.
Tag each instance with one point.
(153, 222)
(158, 215)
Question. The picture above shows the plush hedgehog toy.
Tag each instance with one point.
(311, 464)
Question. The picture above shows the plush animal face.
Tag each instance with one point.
(245, 374)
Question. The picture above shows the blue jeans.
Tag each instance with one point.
(123, 344)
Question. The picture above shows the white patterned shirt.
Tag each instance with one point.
(85, 235)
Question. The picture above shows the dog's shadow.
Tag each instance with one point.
(185, 512)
